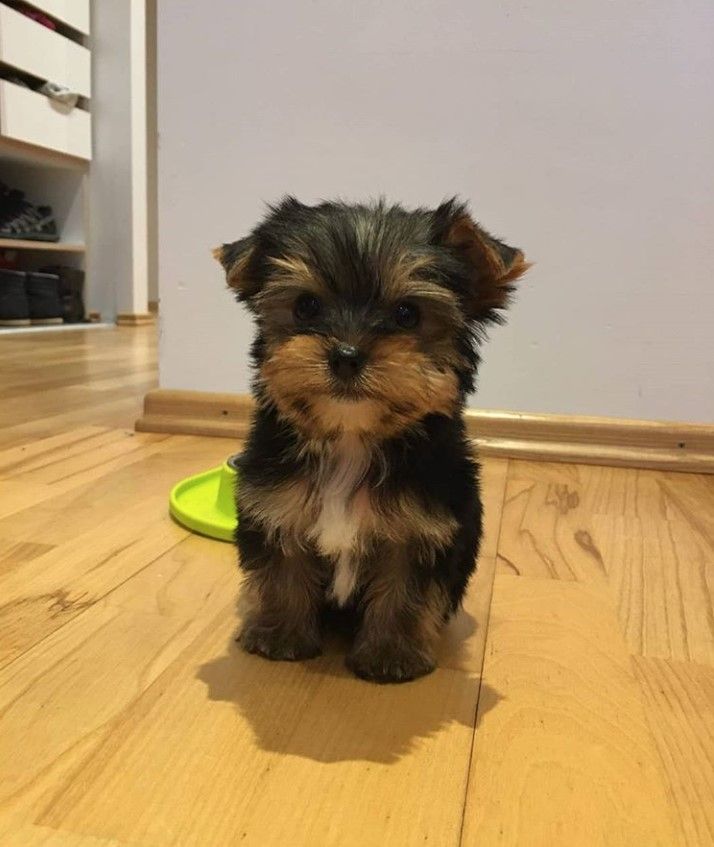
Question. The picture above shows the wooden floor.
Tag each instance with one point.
(574, 704)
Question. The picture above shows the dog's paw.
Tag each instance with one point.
(389, 665)
(277, 645)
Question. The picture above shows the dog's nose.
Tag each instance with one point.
(346, 361)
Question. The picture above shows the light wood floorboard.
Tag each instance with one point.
(573, 705)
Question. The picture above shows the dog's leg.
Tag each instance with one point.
(280, 600)
(402, 619)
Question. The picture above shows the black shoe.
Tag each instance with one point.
(71, 285)
(14, 307)
(28, 222)
(44, 298)
(10, 201)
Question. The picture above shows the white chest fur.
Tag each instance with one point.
(344, 512)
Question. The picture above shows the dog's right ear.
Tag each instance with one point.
(236, 259)
(494, 265)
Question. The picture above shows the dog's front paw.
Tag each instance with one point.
(279, 646)
(388, 663)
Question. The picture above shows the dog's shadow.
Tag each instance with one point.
(318, 710)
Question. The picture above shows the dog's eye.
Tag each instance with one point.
(406, 315)
(306, 307)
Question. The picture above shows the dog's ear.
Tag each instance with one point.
(236, 260)
(495, 266)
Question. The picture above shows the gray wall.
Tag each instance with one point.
(117, 261)
(580, 132)
(110, 259)
(152, 223)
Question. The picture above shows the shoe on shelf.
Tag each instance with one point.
(44, 298)
(60, 93)
(14, 305)
(18, 80)
(10, 200)
(22, 220)
(37, 16)
(71, 286)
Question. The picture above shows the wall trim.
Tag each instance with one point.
(135, 319)
(555, 438)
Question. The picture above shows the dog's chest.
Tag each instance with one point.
(344, 512)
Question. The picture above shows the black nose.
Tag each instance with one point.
(346, 361)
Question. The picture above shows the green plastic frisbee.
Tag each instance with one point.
(205, 503)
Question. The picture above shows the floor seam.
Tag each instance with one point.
(483, 662)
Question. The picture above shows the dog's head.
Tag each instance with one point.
(368, 316)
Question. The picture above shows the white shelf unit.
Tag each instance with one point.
(46, 147)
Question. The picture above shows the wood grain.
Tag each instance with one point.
(644, 534)
(128, 715)
(47, 381)
(691, 498)
(63, 696)
(546, 528)
(305, 733)
(136, 319)
(661, 577)
(578, 429)
(563, 754)
(555, 438)
(16, 832)
(587, 452)
(40, 246)
(102, 532)
(679, 702)
(196, 413)
(15, 553)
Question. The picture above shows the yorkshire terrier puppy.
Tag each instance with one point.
(358, 489)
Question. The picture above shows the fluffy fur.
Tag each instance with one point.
(358, 489)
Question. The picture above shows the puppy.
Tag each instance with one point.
(358, 489)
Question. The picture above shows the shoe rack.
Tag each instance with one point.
(45, 145)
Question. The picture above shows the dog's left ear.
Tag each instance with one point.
(236, 261)
(495, 265)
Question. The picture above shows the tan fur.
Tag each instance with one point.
(400, 627)
(406, 519)
(356, 416)
(492, 275)
(465, 234)
(517, 269)
(431, 617)
(407, 270)
(294, 373)
(286, 510)
(387, 593)
(408, 382)
(401, 386)
(409, 276)
(294, 268)
(235, 275)
(337, 514)
(280, 606)
(293, 509)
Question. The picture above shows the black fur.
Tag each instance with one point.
(353, 249)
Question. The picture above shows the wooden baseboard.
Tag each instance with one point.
(554, 438)
(591, 440)
(135, 319)
(196, 413)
